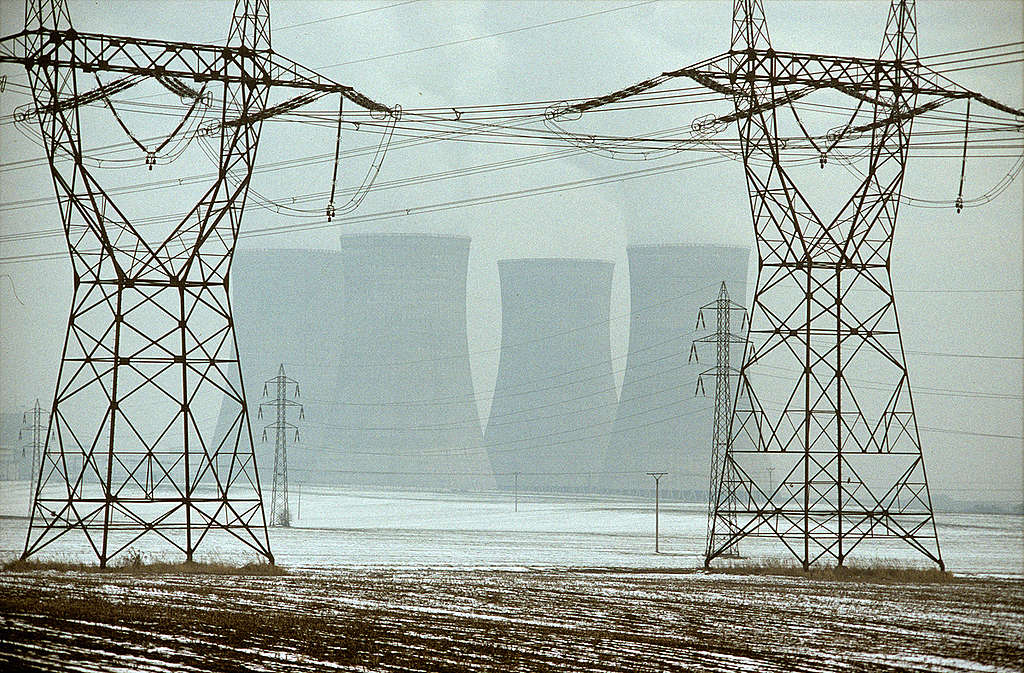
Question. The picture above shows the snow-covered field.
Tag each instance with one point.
(403, 581)
(362, 528)
(422, 619)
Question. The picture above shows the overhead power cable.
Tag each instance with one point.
(477, 38)
(342, 16)
(971, 51)
(436, 207)
(969, 355)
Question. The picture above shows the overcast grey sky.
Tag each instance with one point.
(958, 277)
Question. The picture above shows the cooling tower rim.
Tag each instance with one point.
(289, 250)
(553, 261)
(685, 246)
(410, 235)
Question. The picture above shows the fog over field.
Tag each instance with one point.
(958, 277)
(562, 335)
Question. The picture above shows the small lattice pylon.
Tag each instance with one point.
(279, 512)
(722, 489)
(33, 431)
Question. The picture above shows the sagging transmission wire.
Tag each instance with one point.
(430, 208)
(987, 196)
(172, 85)
(285, 108)
(788, 98)
(357, 152)
(593, 143)
(103, 92)
(315, 214)
(275, 206)
(446, 133)
(358, 193)
(165, 183)
(516, 133)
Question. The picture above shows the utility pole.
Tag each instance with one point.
(515, 490)
(279, 515)
(657, 505)
(722, 490)
(298, 506)
(33, 422)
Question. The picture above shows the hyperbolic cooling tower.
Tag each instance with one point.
(660, 425)
(286, 310)
(554, 397)
(404, 411)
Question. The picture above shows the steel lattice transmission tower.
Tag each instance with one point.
(150, 329)
(34, 432)
(724, 483)
(279, 512)
(850, 456)
(823, 309)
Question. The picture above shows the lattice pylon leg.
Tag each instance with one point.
(147, 463)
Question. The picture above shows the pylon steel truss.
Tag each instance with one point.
(150, 331)
(849, 454)
(723, 487)
(34, 431)
(279, 512)
(847, 448)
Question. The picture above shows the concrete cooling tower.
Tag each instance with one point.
(285, 306)
(660, 425)
(404, 409)
(554, 397)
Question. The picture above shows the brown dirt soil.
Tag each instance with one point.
(493, 620)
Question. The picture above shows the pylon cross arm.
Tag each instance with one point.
(96, 52)
(849, 73)
(728, 73)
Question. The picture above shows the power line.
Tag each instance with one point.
(1004, 54)
(949, 431)
(968, 355)
(971, 51)
(485, 37)
(437, 207)
(343, 16)
(984, 65)
(433, 207)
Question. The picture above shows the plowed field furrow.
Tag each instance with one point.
(494, 620)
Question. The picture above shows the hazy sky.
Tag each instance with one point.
(958, 277)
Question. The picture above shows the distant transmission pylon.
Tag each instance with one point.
(722, 489)
(34, 429)
(279, 514)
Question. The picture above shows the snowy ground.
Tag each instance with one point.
(403, 581)
(422, 619)
(407, 529)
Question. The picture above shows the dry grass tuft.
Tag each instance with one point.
(880, 571)
(134, 565)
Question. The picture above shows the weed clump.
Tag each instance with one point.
(880, 571)
(134, 563)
